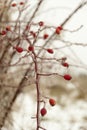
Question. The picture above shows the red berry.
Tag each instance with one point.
(43, 111)
(45, 36)
(8, 28)
(31, 48)
(3, 32)
(60, 27)
(52, 102)
(67, 77)
(58, 30)
(21, 3)
(41, 23)
(19, 49)
(50, 51)
(65, 64)
(13, 4)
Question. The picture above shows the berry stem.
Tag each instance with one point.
(37, 88)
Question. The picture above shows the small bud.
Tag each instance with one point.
(64, 58)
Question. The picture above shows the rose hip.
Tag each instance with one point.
(67, 77)
(31, 48)
(18, 49)
(52, 102)
(43, 111)
(50, 51)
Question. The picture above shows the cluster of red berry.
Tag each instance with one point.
(52, 102)
(43, 110)
(20, 49)
(49, 50)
